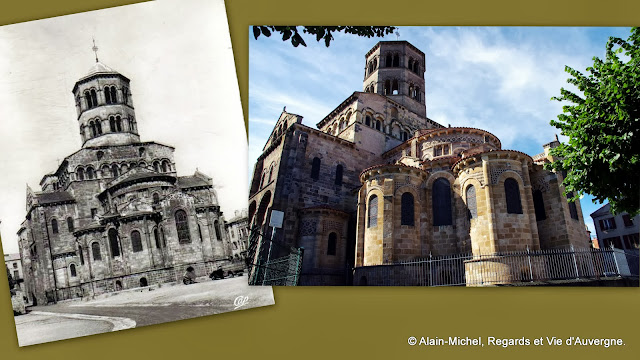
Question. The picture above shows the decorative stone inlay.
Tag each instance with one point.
(469, 138)
(329, 225)
(308, 227)
(496, 172)
(540, 183)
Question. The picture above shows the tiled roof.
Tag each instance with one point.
(192, 181)
(54, 197)
(604, 209)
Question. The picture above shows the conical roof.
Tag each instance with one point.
(99, 67)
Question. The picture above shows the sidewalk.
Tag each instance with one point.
(39, 327)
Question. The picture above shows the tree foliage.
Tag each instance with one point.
(602, 126)
(320, 32)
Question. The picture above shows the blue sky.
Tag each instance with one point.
(500, 79)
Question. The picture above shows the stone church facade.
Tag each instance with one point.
(378, 182)
(115, 215)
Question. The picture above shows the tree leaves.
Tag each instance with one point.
(602, 126)
(320, 32)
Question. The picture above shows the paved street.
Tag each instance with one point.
(146, 306)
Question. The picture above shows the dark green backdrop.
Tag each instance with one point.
(367, 323)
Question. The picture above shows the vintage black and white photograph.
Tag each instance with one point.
(427, 156)
(123, 156)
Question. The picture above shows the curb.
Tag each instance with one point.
(119, 323)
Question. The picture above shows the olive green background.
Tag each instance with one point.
(373, 323)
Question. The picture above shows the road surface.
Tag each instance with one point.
(144, 306)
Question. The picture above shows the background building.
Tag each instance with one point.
(380, 182)
(114, 214)
(620, 231)
(14, 264)
(238, 234)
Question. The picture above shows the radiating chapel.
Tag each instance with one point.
(115, 215)
(379, 182)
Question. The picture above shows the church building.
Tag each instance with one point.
(379, 182)
(115, 215)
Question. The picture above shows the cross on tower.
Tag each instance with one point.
(95, 49)
(397, 35)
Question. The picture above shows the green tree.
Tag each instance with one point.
(602, 126)
(320, 32)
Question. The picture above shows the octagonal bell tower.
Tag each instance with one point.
(396, 69)
(105, 109)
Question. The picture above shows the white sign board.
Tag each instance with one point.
(276, 219)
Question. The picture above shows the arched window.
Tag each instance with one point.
(407, 216)
(81, 253)
(112, 124)
(538, 205)
(107, 95)
(264, 174)
(163, 166)
(87, 96)
(90, 173)
(125, 95)
(405, 136)
(94, 97)
(388, 61)
(373, 212)
(54, 226)
(332, 243)
(156, 198)
(200, 233)
(113, 242)
(472, 208)
(70, 224)
(416, 95)
(182, 225)
(163, 240)
(98, 127)
(338, 175)
(136, 241)
(92, 126)
(166, 165)
(72, 269)
(387, 87)
(394, 87)
(367, 120)
(512, 196)
(118, 123)
(80, 173)
(396, 60)
(114, 170)
(573, 211)
(315, 168)
(114, 98)
(378, 125)
(156, 166)
(270, 174)
(95, 249)
(156, 237)
(216, 227)
(441, 199)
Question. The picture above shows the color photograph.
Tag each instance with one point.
(425, 157)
